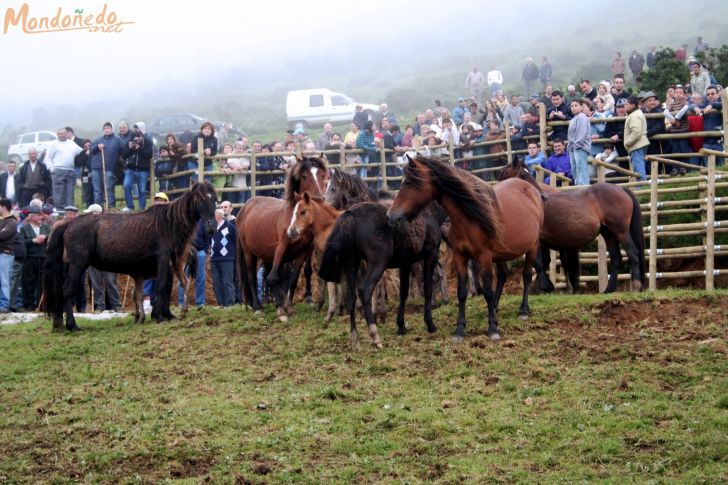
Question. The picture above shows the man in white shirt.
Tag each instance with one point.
(494, 79)
(59, 160)
(9, 183)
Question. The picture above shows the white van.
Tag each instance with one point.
(40, 140)
(314, 107)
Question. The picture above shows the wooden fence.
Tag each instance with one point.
(703, 206)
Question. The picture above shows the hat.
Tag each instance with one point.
(141, 126)
(34, 209)
(461, 99)
(534, 96)
(646, 95)
(621, 102)
(70, 208)
(47, 209)
(94, 209)
(299, 131)
(161, 195)
(477, 127)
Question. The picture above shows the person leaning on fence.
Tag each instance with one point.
(579, 134)
(615, 130)
(534, 157)
(558, 111)
(238, 167)
(365, 141)
(655, 126)
(558, 162)
(209, 146)
(676, 114)
(8, 235)
(635, 136)
(713, 121)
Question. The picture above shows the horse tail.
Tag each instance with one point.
(340, 248)
(191, 261)
(55, 273)
(637, 234)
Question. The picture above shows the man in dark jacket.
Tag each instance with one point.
(136, 168)
(35, 235)
(202, 243)
(34, 177)
(655, 126)
(10, 183)
(558, 111)
(105, 152)
(615, 131)
(713, 121)
(530, 74)
(8, 234)
(222, 260)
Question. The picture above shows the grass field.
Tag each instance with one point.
(620, 388)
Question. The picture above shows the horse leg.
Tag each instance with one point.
(351, 275)
(633, 254)
(179, 271)
(273, 275)
(331, 290)
(615, 260)
(531, 257)
(501, 272)
(570, 263)
(404, 289)
(486, 276)
(139, 300)
(373, 274)
(428, 274)
(70, 288)
(307, 273)
(543, 260)
(160, 309)
(461, 268)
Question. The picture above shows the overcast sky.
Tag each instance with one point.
(170, 44)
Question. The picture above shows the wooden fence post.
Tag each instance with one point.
(383, 161)
(653, 226)
(542, 128)
(342, 157)
(253, 173)
(509, 153)
(602, 268)
(200, 160)
(709, 240)
(152, 169)
(451, 149)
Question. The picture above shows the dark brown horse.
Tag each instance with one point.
(487, 224)
(262, 226)
(148, 244)
(574, 218)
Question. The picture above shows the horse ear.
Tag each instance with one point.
(306, 197)
(299, 158)
(411, 163)
(297, 196)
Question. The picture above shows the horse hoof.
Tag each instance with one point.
(494, 336)
(309, 300)
(457, 339)
(432, 328)
(637, 286)
(328, 318)
(523, 317)
(378, 345)
(402, 330)
(74, 328)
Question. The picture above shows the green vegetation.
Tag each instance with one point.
(619, 388)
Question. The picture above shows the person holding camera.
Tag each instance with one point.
(136, 166)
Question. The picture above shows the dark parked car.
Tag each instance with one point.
(186, 126)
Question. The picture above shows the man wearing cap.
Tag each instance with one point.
(103, 283)
(635, 136)
(105, 152)
(60, 159)
(35, 235)
(699, 78)
(161, 198)
(139, 151)
(458, 112)
(8, 234)
(655, 126)
(615, 130)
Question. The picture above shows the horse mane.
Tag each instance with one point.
(173, 220)
(474, 197)
(293, 181)
(353, 186)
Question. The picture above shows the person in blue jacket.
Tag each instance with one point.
(558, 161)
(111, 146)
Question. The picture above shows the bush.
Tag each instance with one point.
(667, 71)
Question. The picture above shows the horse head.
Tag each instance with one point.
(204, 202)
(303, 214)
(417, 190)
(308, 174)
(518, 170)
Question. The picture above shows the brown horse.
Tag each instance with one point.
(487, 224)
(574, 218)
(262, 226)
